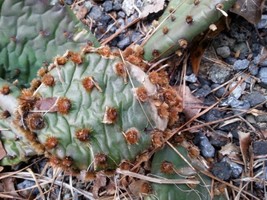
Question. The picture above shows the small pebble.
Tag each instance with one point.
(260, 147)
(117, 5)
(243, 50)
(136, 36)
(121, 14)
(206, 149)
(254, 98)
(191, 78)
(124, 43)
(236, 168)
(219, 92)
(237, 89)
(261, 118)
(263, 22)
(27, 184)
(95, 13)
(203, 91)
(224, 51)
(69, 2)
(222, 170)
(219, 138)
(213, 115)
(210, 100)
(241, 107)
(258, 60)
(263, 76)
(253, 69)
(218, 74)
(107, 5)
(241, 64)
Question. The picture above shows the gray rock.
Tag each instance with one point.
(117, 5)
(254, 98)
(240, 107)
(258, 60)
(203, 91)
(213, 115)
(261, 118)
(69, 2)
(241, 64)
(27, 184)
(219, 92)
(253, 69)
(107, 5)
(263, 22)
(224, 51)
(237, 89)
(136, 36)
(191, 78)
(206, 149)
(124, 43)
(219, 138)
(260, 147)
(263, 76)
(121, 14)
(222, 170)
(95, 13)
(236, 168)
(219, 74)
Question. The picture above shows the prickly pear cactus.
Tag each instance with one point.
(32, 33)
(168, 164)
(92, 110)
(183, 20)
(16, 146)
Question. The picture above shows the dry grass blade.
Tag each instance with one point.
(156, 180)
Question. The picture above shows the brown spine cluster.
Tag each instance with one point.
(5, 90)
(167, 167)
(88, 83)
(35, 121)
(142, 94)
(63, 105)
(83, 135)
(110, 115)
(101, 160)
(132, 136)
(48, 80)
(51, 142)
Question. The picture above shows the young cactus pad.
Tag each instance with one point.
(16, 146)
(32, 33)
(183, 20)
(92, 111)
(168, 164)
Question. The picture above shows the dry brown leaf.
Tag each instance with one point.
(47, 104)
(100, 182)
(139, 187)
(229, 150)
(191, 104)
(2, 151)
(244, 140)
(251, 10)
(9, 187)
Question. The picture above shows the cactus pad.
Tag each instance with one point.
(16, 146)
(181, 22)
(32, 33)
(96, 111)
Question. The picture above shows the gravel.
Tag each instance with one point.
(124, 42)
(263, 76)
(254, 98)
(218, 74)
(241, 64)
(224, 51)
(95, 13)
(206, 149)
(222, 170)
(260, 147)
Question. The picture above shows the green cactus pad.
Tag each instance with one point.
(16, 146)
(32, 33)
(174, 165)
(96, 111)
(181, 22)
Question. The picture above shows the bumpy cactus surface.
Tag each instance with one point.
(16, 146)
(168, 164)
(32, 33)
(183, 20)
(92, 110)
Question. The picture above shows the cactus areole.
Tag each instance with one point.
(92, 117)
(182, 21)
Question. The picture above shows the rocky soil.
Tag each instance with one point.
(230, 130)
